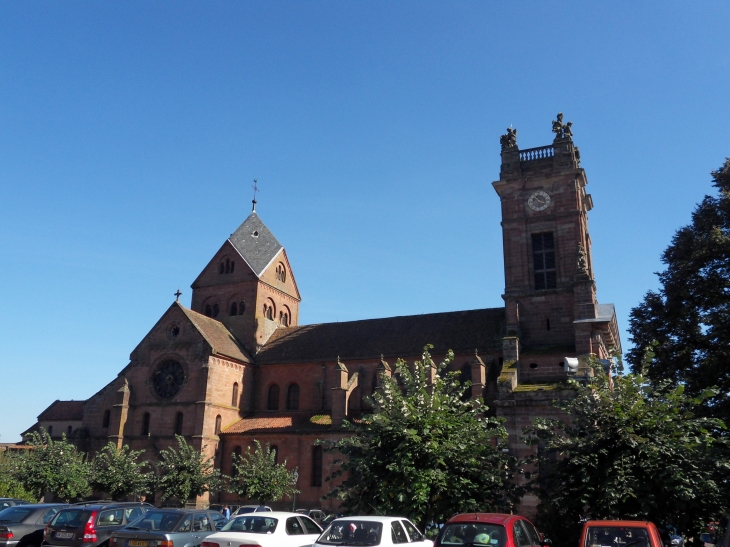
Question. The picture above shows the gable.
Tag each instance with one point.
(218, 270)
(270, 275)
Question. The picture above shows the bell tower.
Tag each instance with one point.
(550, 291)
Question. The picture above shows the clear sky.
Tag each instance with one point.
(130, 133)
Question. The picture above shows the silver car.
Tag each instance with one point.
(167, 528)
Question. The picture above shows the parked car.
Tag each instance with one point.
(91, 524)
(266, 529)
(489, 529)
(620, 533)
(245, 509)
(370, 531)
(167, 528)
(317, 515)
(22, 525)
(9, 502)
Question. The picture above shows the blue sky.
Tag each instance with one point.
(130, 133)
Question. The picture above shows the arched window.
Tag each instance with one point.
(233, 265)
(222, 268)
(228, 266)
(146, 424)
(241, 307)
(69, 430)
(285, 320)
(216, 309)
(218, 424)
(234, 309)
(292, 397)
(50, 430)
(273, 401)
(235, 457)
(280, 272)
(234, 399)
(275, 450)
(316, 466)
(105, 419)
(269, 311)
(179, 423)
(208, 311)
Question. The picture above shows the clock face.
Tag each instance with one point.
(167, 380)
(539, 201)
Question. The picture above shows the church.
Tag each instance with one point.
(237, 366)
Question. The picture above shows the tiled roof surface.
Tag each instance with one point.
(217, 335)
(258, 250)
(277, 423)
(63, 410)
(405, 336)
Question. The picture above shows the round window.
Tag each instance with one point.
(168, 378)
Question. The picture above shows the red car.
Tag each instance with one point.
(620, 533)
(489, 530)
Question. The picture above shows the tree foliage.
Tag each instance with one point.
(690, 314)
(118, 472)
(184, 472)
(426, 451)
(10, 487)
(258, 477)
(631, 452)
(53, 466)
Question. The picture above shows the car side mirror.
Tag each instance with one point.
(707, 538)
(546, 542)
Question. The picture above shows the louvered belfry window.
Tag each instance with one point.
(543, 260)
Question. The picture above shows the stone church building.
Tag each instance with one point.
(238, 366)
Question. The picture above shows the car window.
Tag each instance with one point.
(14, 514)
(413, 533)
(133, 513)
(472, 532)
(344, 531)
(201, 523)
(531, 532)
(74, 518)
(49, 514)
(397, 533)
(293, 527)
(310, 526)
(521, 537)
(615, 536)
(187, 524)
(113, 517)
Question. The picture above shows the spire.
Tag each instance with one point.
(255, 189)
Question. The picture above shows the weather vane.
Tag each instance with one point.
(255, 189)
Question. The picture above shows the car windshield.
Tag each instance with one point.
(616, 536)
(15, 514)
(71, 518)
(156, 521)
(352, 532)
(251, 525)
(472, 533)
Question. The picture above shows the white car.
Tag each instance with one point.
(371, 531)
(266, 529)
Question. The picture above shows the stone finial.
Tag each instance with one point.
(582, 261)
(509, 139)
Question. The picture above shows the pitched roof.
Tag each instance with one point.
(298, 422)
(63, 410)
(255, 242)
(217, 335)
(404, 336)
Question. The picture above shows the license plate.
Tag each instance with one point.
(66, 535)
(136, 543)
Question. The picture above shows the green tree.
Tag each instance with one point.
(10, 487)
(185, 472)
(629, 451)
(258, 477)
(53, 466)
(426, 451)
(690, 314)
(118, 472)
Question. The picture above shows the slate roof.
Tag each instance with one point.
(217, 335)
(63, 410)
(257, 250)
(404, 336)
(299, 422)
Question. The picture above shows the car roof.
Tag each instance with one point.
(267, 514)
(373, 518)
(491, 518)
(619, 523)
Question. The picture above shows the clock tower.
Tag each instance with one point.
(550, 290)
